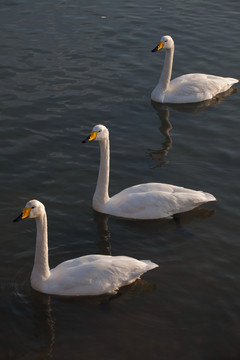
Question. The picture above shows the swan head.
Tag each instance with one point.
(98, 133)
(32, 209)
(166, 42)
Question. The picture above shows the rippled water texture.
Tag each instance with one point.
(64, 67)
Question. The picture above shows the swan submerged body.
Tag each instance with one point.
(188, 88)
(82, 276)
(144, 201)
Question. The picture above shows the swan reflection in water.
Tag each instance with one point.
(160, 155)
(163, 111)
(45, 323)
(178, 222)
(104, 234)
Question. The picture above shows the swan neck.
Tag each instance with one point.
(41, 271)
(101, 196)
(166, 74)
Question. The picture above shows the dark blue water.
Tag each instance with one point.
(64, 67)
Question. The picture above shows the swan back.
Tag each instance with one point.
(96, 274)
(190, 88)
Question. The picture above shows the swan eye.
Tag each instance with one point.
(99, 130)
(33, 207)
(166, 41)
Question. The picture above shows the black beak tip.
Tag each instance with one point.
(86, 140)
(18, 218)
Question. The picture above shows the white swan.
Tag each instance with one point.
(86, 275)
(187, 88)
(145, 201)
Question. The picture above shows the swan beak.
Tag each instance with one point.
(25, 214)
(159, 46)
(91, 137)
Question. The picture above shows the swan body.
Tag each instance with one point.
(144, 201)
(187, 88)
(86, 275)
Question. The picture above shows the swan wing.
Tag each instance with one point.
(155, 200)
(95, 274)
(196, 87)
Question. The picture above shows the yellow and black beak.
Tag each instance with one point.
(159, 46)
(91, 137)
(25, 214)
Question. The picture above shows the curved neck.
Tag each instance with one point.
(167, 69)
(101, 193)
(41, 271)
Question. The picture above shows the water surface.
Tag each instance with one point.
(64, 67)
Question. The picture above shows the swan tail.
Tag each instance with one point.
(209, 197)
(150, 265)
(232, 81)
